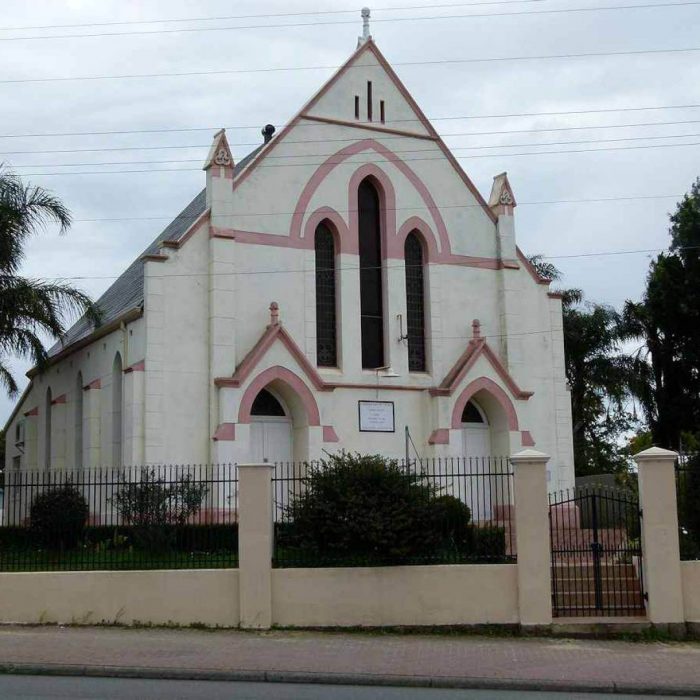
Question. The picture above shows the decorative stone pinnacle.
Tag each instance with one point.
(219, 153)
(274, 313)
(366, 36)
(476, 329)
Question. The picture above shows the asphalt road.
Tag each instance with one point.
(78, 688)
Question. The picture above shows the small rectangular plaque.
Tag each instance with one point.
(376, 416)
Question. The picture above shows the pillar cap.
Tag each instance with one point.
(529, 456)
(255, 465)
(655, 453)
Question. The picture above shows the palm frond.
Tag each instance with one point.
(7, 380)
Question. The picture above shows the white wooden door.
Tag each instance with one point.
(476, 446)
(271, 440)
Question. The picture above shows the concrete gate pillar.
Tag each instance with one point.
(660, 548)
(532, 537)
(255, 544)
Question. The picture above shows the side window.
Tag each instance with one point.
(326, 330)
(415, 303)
(371, 299)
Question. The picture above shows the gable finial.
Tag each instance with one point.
(274, 314)
(476, 329)
(366, 36)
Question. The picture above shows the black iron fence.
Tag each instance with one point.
(368, 511)
(152, 517)
(688, 499)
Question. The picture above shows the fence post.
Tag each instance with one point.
(660, 548)
(532, 537)
(255, 545)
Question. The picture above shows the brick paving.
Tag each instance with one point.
(551, 662)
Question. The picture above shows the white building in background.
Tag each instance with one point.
(320, 294)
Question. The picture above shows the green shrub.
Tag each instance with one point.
(365, 507)
(58, 516)
(452, 519)
(152, 506)
(181, 538)
(357, 509)
(489, 542)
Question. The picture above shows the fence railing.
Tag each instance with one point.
(150, 517)
(427, 511)
(688, 499)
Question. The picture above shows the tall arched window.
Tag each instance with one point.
(79, 421)
(371, 301)
(47, 428)
(415, 305)
(326, 332)
(117, 411)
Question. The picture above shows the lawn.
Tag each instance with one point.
(112, 559)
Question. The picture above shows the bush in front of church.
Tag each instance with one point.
(58, 516)
(367, 509)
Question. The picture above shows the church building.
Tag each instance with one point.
(342, 287)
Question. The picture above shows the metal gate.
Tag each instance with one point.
(596, 553)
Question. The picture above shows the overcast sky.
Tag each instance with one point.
(97, 251)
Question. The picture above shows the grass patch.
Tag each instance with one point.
(112, 559)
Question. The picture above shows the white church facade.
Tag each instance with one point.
(343, 283)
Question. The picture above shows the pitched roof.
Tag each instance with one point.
(126, 292)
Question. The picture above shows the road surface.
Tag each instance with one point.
(45, 687)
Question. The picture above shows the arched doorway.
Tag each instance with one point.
(270, 429)
(476, 448)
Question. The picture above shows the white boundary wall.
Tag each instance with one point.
(177, 597)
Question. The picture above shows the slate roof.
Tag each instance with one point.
(126, 292)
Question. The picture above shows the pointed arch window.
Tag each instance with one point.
(415, 302)
(371, 298)
(47, 428)
(117, 411)
(79, 421)
(326, 331)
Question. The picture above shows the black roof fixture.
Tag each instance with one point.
(267, 131)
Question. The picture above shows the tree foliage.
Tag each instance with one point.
(599, 374)
(30, 308)
(667, 321)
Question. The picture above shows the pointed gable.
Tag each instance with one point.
(356, 93)
(334, 103)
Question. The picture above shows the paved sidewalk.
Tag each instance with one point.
(386, 659)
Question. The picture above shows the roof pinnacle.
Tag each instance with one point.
(366, 36)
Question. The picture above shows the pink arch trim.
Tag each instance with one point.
(295, 231)
(485, 384)
(344, 242)
(293, 381)
(415, 223)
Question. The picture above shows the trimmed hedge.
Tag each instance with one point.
(181, 538)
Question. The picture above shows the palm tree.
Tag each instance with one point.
(31, 307)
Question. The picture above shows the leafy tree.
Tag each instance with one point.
(599, 376)
(30, 307)
(667, 320)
